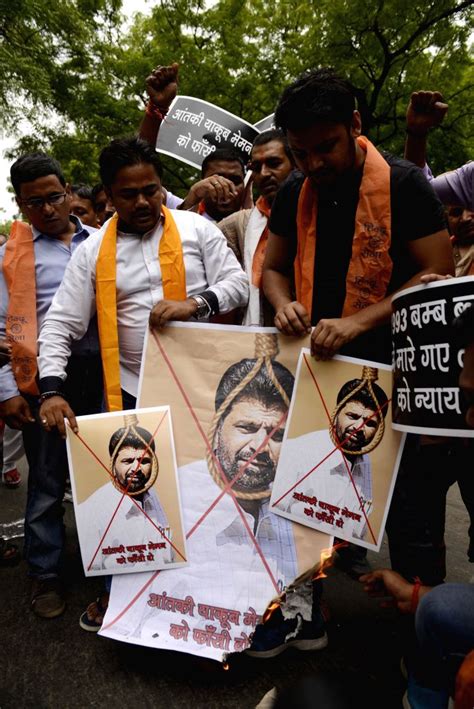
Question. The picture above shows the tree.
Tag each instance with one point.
(240, 54)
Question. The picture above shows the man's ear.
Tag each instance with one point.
(356, 125)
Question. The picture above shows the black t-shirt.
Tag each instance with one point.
(416, 212)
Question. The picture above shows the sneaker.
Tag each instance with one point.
(278, 634)
(47, 600)
(12, 478)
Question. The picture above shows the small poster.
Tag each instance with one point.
(427, 358)
(340, 455)
(126, 498)
(193, 129)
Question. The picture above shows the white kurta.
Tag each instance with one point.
(209, 263)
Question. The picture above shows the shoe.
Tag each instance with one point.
(12, 478)
(47, 599)
(97, 610)
(277, 635)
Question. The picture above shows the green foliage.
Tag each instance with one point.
(238, 54)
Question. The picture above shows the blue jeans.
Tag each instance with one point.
(445, 630)
(47, 460)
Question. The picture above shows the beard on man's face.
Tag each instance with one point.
(351, 438)
(256, 476)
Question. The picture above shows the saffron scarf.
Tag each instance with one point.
(173, 274)
(259, 255)
(21, 325)
(370, 267)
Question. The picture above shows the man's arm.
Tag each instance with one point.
(66, 321)
(425, 111)
(161, 86)
(227, 282)
(432, 254)
(291, 317)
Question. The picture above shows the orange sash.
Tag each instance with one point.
(259, 255)
(21, 326)
(370, 268)
(173, 274)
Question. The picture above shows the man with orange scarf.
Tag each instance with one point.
(347, 230)
(146, 263)
(32, 265)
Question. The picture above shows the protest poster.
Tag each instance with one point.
(340, 455)
(193, 129)
(427, 359)
(265, 123)
(125, 492)
(229, 390)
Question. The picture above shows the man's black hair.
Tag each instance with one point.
(224, 154)
(131, 440)
(317, 95)
(83, 191)
(273, 134)
(33, 166)
(260, 387)
(124, 152)
(364, 396)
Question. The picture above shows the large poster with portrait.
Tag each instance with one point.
(229, 389)
(125, 492)
(340, 456)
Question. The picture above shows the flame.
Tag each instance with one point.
(326, 560)
(270, 611)
(225, 666)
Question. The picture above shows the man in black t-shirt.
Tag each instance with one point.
(319, 117)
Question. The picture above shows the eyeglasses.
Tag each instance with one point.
(38, 202)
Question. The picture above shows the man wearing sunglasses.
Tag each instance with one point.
(32, 265)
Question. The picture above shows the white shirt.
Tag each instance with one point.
(210, 265)
(129, 527)
(329, 483)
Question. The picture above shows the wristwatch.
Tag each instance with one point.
(204, 310)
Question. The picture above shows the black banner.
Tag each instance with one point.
(193, 129)
(427, 359)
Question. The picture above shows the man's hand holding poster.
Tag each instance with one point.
(229, 390)
(340, 456)
(126, 498)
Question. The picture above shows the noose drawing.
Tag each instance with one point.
(266, 349)
(132, 429)
(369, 376)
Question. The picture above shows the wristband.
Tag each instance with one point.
(155, 111)
(49, 395)
(414, 595)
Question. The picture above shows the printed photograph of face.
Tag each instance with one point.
(339, 456)
(251, 427)
(126, 498)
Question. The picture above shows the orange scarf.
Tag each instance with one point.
(173, 275)
(370, 268)
(21, 325)
(259, 255)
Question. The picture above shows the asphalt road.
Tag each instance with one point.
(54, 664)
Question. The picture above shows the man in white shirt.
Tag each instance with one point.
(110, 520)
(149, 241)
(342, 477)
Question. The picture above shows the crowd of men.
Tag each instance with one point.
(336, 229)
